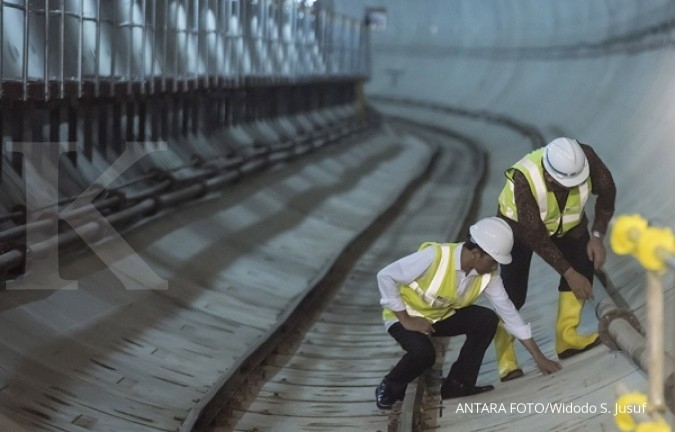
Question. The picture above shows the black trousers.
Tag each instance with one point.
(478, 323)
(517, 274)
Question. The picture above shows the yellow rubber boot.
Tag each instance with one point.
(568, 342)
(507, 363)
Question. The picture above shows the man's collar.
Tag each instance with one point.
(458, 261)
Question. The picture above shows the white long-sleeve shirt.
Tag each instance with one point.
(409, 268)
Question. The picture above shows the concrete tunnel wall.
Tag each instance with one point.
(598, 71)
(549, 65)
(68, 332)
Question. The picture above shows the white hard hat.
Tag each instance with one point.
(495, 237)
(566, 162)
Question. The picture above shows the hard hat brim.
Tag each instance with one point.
(568, 182)
(495, 237)
(502, 259)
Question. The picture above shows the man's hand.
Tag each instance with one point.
(596, 252)
(579, 284)
(418, 324)
(546, 365)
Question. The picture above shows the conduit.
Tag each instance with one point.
(170, 190)
(621, 330)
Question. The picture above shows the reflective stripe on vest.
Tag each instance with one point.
(429, 295)
(431, 292)
(556, 221)
(442, 307)
(538, 185)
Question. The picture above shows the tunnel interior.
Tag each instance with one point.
(178, 175)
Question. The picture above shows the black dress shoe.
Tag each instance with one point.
(388, 393)
(451, 388)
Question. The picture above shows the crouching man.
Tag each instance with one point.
(432, 293)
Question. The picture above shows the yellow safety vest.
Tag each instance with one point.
(557, 222)
(434, 294)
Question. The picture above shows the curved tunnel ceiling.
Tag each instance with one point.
(600, 71)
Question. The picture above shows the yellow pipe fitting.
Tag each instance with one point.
(655, 426)
(626, 230)
(636, 402)
(623, 418)
(653, 247)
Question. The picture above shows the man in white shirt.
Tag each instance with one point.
(432, 293)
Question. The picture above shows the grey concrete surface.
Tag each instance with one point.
(327, 383)
(105, 347)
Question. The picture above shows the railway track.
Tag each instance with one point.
(322, 372)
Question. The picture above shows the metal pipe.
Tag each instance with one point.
(142, 208)
(24, 66)
(627, 338)
(221, 171)
(219, 33)
(18, 231)
(62, 38)
(80, 48)
(113, 48)
(97, 78)
(96, 206)
(295, 11)
(197, 36)
(231, 41)
(203, 41)
(221, 180)
(263, 25)
(624, 334)
(149, 192)
(655, 342)
(144, 34)
(11, 259)
(154, 46)
(88, 231)
(174, 44)
(181, 195)
(166, 37)
(185, 62)
(45, 47)
(653, 247)
(91, 230)
(2, 47)
(130, 49)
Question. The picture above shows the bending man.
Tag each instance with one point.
(543, 201)
(431, 293)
